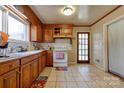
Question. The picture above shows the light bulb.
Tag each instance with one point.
(67, 11)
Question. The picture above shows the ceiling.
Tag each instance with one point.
(83, 15)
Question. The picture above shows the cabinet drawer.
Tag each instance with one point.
(28, 59)
(5, 67)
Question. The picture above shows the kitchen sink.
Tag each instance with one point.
(13, 55)
(3, 57)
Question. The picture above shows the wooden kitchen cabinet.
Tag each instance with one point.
(62, 33)
(34, 70)
(21, 72)
(10, 79)
(29, 70)
(42, 61)
(25, 76)
(36, 33)
(48, 34)
(9, 74)
(49, 61)
(53, 31)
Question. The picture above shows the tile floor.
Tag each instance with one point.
(81, 76)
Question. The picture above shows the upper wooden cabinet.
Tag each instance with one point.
(35, 23)
(48, 34)
(36, 33)
(62, 33)
(52, 31)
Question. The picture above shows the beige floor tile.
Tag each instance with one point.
(70, 79)
(51, 79)
(79, 79)
(60, 75)
(50, 85)
(118, 86)
(88, 79)
(92, 84)
(72, 85)
(82, 84)
(103, 84)
(81, 76)
(61, 84)
(60, 78)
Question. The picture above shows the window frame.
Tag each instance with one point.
(22, 21)
(5, 15)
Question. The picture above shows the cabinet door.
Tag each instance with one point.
(39, 33)
(33, 34)
(26, 75)
(34, 70)
(49, 58)
(67, 32)
(44, 60)
(40, 63)
(36, 32)
(48, 35)
(10, 79)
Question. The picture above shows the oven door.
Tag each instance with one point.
(60, 56)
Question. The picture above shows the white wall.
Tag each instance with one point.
(98, 38)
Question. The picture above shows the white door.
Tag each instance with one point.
(116, 47)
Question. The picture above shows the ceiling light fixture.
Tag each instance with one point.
(68, 10)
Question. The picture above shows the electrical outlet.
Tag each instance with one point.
(97, 60)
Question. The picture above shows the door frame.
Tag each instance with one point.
(88, 47)
(105, 42)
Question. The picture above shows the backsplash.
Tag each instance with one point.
(14, 45)
(59, 43)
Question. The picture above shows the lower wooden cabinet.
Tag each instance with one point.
(21, 72)
(42, 61)
(34, 70)
(29, 72)
(49, 61)
(25, 76)
(10, 79)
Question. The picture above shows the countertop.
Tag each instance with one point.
(14, 56)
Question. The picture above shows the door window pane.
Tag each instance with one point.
(80, 35)
(83, 47)
(80, 47)
(80, 58)
(80, 52)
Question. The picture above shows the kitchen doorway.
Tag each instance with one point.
(83, 47)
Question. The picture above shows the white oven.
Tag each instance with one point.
(60, 58)
(60, 52)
